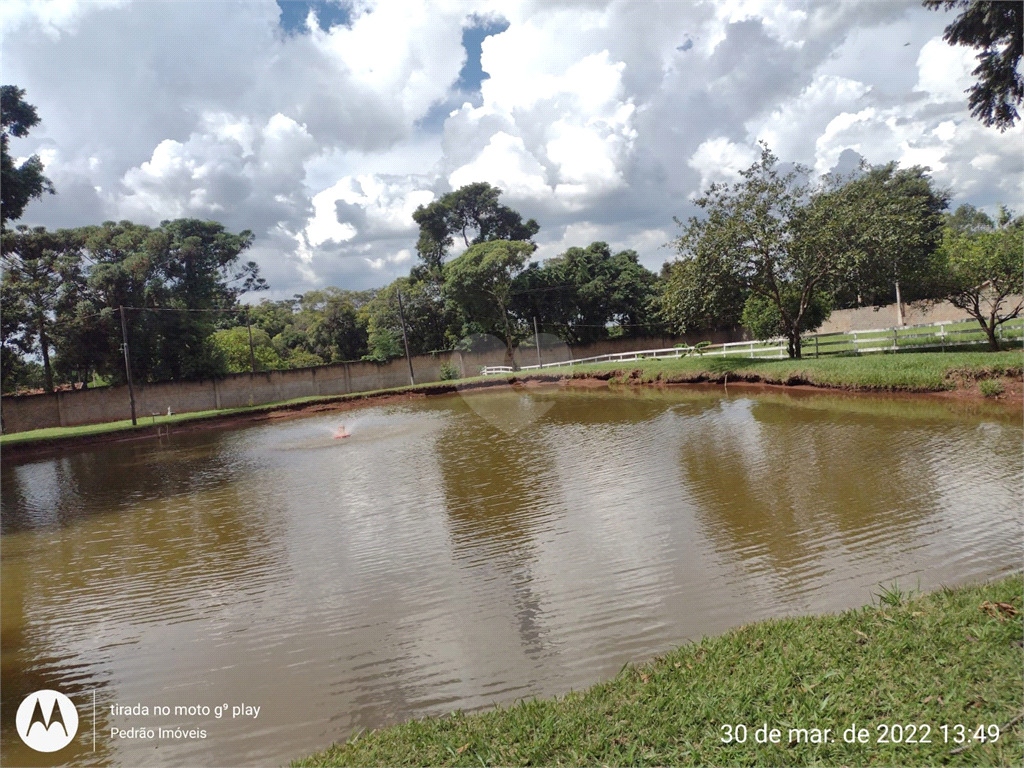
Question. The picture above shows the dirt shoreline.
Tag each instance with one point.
(965, 390)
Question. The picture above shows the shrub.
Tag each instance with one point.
(449, 372)
(991, 387)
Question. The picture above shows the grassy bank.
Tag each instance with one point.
(949, 658)
(909, 372)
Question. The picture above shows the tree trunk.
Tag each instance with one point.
(44, 345)
(990, 331)
(794, 345)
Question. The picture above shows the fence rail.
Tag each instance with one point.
(940, 335)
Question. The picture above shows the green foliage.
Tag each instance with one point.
(701, 293)
(983, 271)
(991, 387)
(300, 358)
(997, 29)
(480, 282)
(967, 219)
(232, 346)
(450, 372)
(431, 322)
(762, 318)
(40, 268)
(335, 331)
(887, 222)
(19, 184)
(580, 292)
(470, 209)
(772, 238)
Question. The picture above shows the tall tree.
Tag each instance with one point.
(174, 281)
(889, 220)
(997, 28)
(480, 282)
(37, 266)
(431, 322)
(19, 184)
(584, 290)
(753, 227)
(789, 246)
(470, 210)
(984, 272)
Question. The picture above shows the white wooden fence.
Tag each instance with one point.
(900, 338)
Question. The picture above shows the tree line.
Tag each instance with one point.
(775, 253)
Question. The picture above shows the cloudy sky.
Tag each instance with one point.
(322, 126)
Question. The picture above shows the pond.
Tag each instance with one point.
(448, 556)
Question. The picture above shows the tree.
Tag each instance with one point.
(771, 238)
(15, 335)
(984, 272)
(232, 345)
(701, 293)
(337, 334)
(753, 227)
(22, 183)
(968, 219)
(431, 322)
(472, 208)
(37, 266)
(480, 282)
(584, 290)
(890, 221)
(997, 28)
(175, 282)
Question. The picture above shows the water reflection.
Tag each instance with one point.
(435, 560)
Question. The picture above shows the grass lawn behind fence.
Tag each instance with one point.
(901, 669)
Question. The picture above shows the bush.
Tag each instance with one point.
(991, 387)
(449, 372)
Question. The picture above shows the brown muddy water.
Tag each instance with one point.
(437, 560)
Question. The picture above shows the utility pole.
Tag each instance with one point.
(899, 305)
(405, 339)
(536, 338)
(128, 364)
(252, 355)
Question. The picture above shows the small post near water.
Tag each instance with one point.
(536, 338)
(252, 354)
(128, 365)
(405, 339)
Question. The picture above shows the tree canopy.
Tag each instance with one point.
(472, 209)
(19, 184)
(789, 248)
(983, 271)
(997, 29)
(481, 282)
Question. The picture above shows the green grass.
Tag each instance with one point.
(946, 658)
(912, 372)
(956, 333)
(991, 388)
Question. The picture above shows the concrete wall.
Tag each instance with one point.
(103, 404)
(93, 406)
(870, 318)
